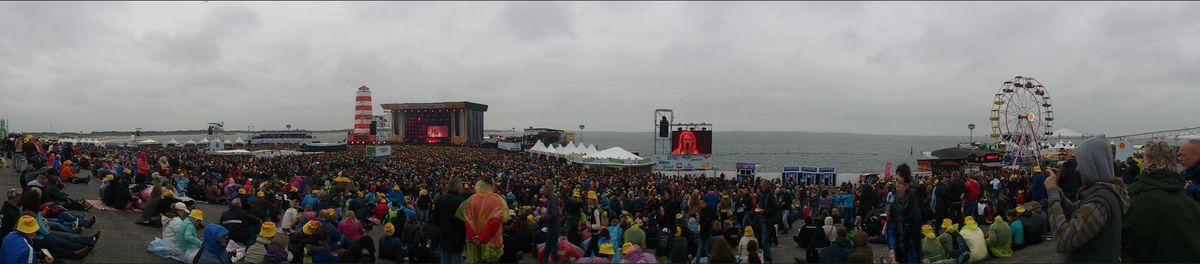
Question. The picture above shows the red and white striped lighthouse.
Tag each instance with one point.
(362, 116)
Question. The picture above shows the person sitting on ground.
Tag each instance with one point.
(999, 238)
(1016, 227)
(975, 240)
(721, 252)
(187, 240)
(216, 238)
(839, 251)
(931, 248)
(953, 243)
(18, 244)
(862, 250)
(258, 251)
(390, 245)
(165, 246)
(747, 237)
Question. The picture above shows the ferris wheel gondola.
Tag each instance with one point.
(1022, 115)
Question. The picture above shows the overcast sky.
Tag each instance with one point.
(879, 68)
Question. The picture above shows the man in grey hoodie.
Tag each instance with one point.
(1089, 231)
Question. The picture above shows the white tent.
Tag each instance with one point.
(567, 150)
(614, 153)
(227, 142)
(538, 147)
(233, 152)
(552, 150)
(147, 142)
(173, 142)
(580, 149)
(204, 141)
(591, 149)
(190, 142)
(239, 141)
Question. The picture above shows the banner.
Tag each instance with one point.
(1124, 150)
(683, 162)
(379, 151)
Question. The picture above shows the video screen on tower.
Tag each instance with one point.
(438, 131)
(689, 142)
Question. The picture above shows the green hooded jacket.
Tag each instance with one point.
(999, 239)
(1160, 224)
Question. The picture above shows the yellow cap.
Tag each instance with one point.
(242, 191)
(1020, 209)
(748, 232)
(311, 227)
(927, 230)
(968, 221)
(575, 194)
(530, 218)
(638, 222)
(109, 177)
(169, 193)
(389, 229)
(678, 216)
(196, 214)
(261, 194)
(1037, 169)
(678, 231)
(267, 229)
(328, 213)
(27, 224)
(626, 248)
(607, 249)
(592, 195)
(946, 223)
(68, 163)
(424, 192)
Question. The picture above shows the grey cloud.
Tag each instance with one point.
(870, 67)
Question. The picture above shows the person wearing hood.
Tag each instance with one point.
(679, 247)
(747, 236)
(1160, 224)
(187, 241)
(216, 238)
(830, 229)
(1092, 231)
(241, 225)
(931, 248)
(862, 250)
(999, 238)
(975, 240)
(165, 246)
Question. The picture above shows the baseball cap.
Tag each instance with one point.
(14, 192)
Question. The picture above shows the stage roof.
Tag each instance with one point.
(442, 105)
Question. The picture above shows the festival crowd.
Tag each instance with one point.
(484, 205)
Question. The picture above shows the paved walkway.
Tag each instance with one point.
(122, 241)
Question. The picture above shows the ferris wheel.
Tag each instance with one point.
(1021, 117)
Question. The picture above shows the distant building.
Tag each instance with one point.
(458, 123)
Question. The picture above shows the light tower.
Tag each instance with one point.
(362, 116)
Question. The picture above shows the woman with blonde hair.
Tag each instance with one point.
(1159, 224)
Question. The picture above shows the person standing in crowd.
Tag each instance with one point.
(769, 210)
(11, 211)
(1039, 185)
(1159, 226)
(1070, 182)
(484, 213)
(904, 223)
(1189, 157)
(1092, 232)
(550, 224)
(452, 228)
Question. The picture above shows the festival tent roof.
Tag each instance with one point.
(570, 148)
(538, 147)
(591, 149)
(173, 142)
(613, 153)
(239, 141)
(147, 142)
(227, 142)
(204, 141)
(190, 142)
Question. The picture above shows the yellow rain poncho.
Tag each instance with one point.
(484, 214)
